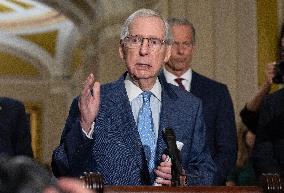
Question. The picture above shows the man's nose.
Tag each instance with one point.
(180, 49)
(144, 49)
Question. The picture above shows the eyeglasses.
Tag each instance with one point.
(136, 41)
(186, 44)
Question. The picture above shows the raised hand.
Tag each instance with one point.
(269, 73)
(89, 103)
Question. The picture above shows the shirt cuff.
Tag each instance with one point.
(90, 133)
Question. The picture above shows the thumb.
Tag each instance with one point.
(96, 90)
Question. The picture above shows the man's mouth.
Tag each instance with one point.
(143, 65)
(180, 59)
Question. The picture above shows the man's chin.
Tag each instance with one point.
(143, 76)
(179, 64)
(180, 67)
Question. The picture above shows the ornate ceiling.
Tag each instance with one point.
(49, 39)
(35, 40)
(24, 12)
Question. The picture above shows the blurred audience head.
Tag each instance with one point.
(22, 174)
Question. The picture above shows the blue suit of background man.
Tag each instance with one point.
(219, 118)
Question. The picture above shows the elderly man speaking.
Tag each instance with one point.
(116, 129)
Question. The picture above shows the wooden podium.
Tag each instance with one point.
(270, 183)
(190, 189)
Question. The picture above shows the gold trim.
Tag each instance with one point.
(34, 112)
(24, 5)
(5, 9)
(268, 34)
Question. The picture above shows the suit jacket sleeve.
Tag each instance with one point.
(73, 156)
(226, 138)
(200, 167)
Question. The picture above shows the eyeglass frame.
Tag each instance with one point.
(141, 42)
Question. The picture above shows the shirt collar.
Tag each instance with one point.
(170, 77)
(134, 91)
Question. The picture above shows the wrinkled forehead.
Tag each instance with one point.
(148, 26)
(182, 31)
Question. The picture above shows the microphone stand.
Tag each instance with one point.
(173, 151)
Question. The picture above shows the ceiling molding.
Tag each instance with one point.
(29, 51)
(36, 14)
(43, 20)
(80, 12)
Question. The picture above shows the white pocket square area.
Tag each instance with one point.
(179, 145)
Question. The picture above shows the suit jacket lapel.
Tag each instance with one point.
(168, 95)
(194, 83)
(161, 145)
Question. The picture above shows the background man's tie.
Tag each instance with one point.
(179, 81)
(146, 131)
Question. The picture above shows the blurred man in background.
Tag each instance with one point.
(218, 107)
(15, 136)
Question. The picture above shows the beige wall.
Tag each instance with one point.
(226, 43)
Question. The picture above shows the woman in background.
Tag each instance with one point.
(243, 173)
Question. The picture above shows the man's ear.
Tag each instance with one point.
(168, 53)
(122, 53)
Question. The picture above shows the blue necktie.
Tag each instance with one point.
(146, 131)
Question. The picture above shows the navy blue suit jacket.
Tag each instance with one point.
(116, 150)
(15, 137)
(219, 118)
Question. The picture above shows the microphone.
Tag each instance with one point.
(170, 138)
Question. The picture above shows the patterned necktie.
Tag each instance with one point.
(179, 81)
(146, 131)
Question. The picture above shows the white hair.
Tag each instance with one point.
(144, 13)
